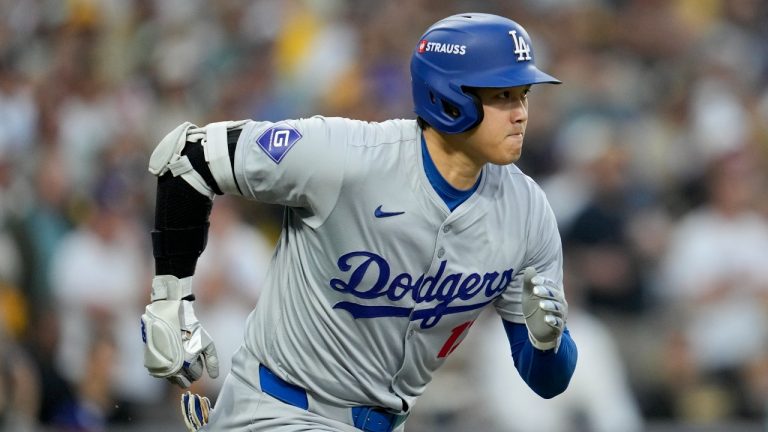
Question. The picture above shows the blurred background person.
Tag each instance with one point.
(717, 288)
(94, 278)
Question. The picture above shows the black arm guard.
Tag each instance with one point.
(182, 213)
(181, 226)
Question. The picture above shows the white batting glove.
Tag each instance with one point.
(195, 410)
(176, 346)
(545, 310)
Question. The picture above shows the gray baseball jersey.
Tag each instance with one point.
(374, 281)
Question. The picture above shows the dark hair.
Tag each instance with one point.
(422, 123)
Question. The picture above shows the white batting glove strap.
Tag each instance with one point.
(545, 310)
(195, 410)
(168, 287)
(545, 346)
(176, 346)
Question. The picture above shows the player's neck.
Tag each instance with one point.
(453, 163)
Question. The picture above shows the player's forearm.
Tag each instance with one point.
(547, 373)
(181, 226)
(182, 210)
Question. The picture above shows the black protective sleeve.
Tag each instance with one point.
(181, 226)
(182, 214)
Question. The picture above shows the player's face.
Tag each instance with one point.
(498, 139)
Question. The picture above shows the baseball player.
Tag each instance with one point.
(396, 235)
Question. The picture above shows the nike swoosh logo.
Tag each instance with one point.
(379, 213)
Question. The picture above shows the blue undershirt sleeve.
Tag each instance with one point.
(547, 373)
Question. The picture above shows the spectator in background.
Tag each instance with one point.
(597, 241)
(43, 224)
(716, 289)
(90, 407)
(94, 276)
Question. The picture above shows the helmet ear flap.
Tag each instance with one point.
(447, 108)
(450, 109)
(455, 112)
(477, 105)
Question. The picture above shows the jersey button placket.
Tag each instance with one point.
(446, 229)
(396, 382)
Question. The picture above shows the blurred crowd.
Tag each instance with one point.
(653, 154)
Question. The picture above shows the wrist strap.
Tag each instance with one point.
(545, 346)
(169, 287)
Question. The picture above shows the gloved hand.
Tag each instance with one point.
(195, 410)
(544, 308)
(176, 346)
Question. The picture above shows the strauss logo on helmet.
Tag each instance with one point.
(439, 47)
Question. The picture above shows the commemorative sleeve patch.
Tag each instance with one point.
(277, 140)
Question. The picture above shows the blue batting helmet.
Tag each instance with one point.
(469, 50)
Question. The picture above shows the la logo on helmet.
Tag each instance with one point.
(522, 49)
